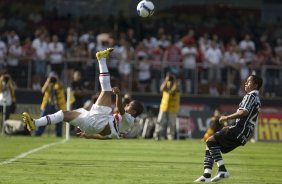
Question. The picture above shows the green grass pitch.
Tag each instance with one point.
(83, 161)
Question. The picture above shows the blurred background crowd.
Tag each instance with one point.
(209, 48)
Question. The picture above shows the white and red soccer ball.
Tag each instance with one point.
(145, 8)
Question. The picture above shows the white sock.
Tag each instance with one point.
(219, 163)
(104, 76)
(105, 82)
(54, 118)
(103, 66)
(208, 171)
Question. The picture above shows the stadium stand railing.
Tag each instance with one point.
(272, 74)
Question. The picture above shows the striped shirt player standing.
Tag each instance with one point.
(98, 122)
(235, 135)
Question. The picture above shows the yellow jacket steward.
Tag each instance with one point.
(170, 99)
(60, 97)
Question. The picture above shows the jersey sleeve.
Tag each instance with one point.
(247, 102)
(126, 122)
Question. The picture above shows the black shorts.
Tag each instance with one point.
(227, 140)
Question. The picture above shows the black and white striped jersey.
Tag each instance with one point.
(245, 126)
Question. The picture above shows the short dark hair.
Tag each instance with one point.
(257, 80)
(138, 107)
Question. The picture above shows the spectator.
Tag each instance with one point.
(40, 60)
(27, 49)
(264, 51)
(189, 53)
(131, 37)
(144, 73)
(168, 108)
(124, 66)
(278, 48)
(14, 56)
(28, 55)
(172, 58)
(272, 75)
(214, 58)
(231, 60)
(204, 45)
(70, 43)
(53, 101)
(3, 54)
(244, 69)
(150, 42)
(156, 55)
(204, 42)
(189, 38)
(140, 53)
(7, 95)
(247, 46)
(164, 42)
(79, 90)
(56, 54)
(12, 38)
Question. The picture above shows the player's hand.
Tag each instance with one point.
(81, 134)
(116, 90)
(48, 80)
(223, 119)
(168, 76)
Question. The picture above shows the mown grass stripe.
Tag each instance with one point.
(30, 152)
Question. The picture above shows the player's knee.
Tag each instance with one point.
(65, 112)
(211, 142)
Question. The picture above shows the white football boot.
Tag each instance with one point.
(220, 175)
(203, 179)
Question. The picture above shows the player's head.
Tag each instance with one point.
(253, 82)
(135, 108)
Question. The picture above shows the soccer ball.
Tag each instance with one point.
(145, 8)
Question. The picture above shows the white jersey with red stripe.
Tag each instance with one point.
(120, 124)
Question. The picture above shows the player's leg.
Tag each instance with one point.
(105, 97)
(49, 119)
(49, 109)
(208, 164)
(215, 152)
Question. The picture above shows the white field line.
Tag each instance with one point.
(31, 151)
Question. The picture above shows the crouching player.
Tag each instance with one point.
(235, 135)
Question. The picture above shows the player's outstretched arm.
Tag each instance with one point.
(119, 105)
(239, 114)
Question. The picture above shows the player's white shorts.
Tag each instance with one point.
(93, 121)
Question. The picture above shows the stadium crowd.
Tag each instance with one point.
(209, 54)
